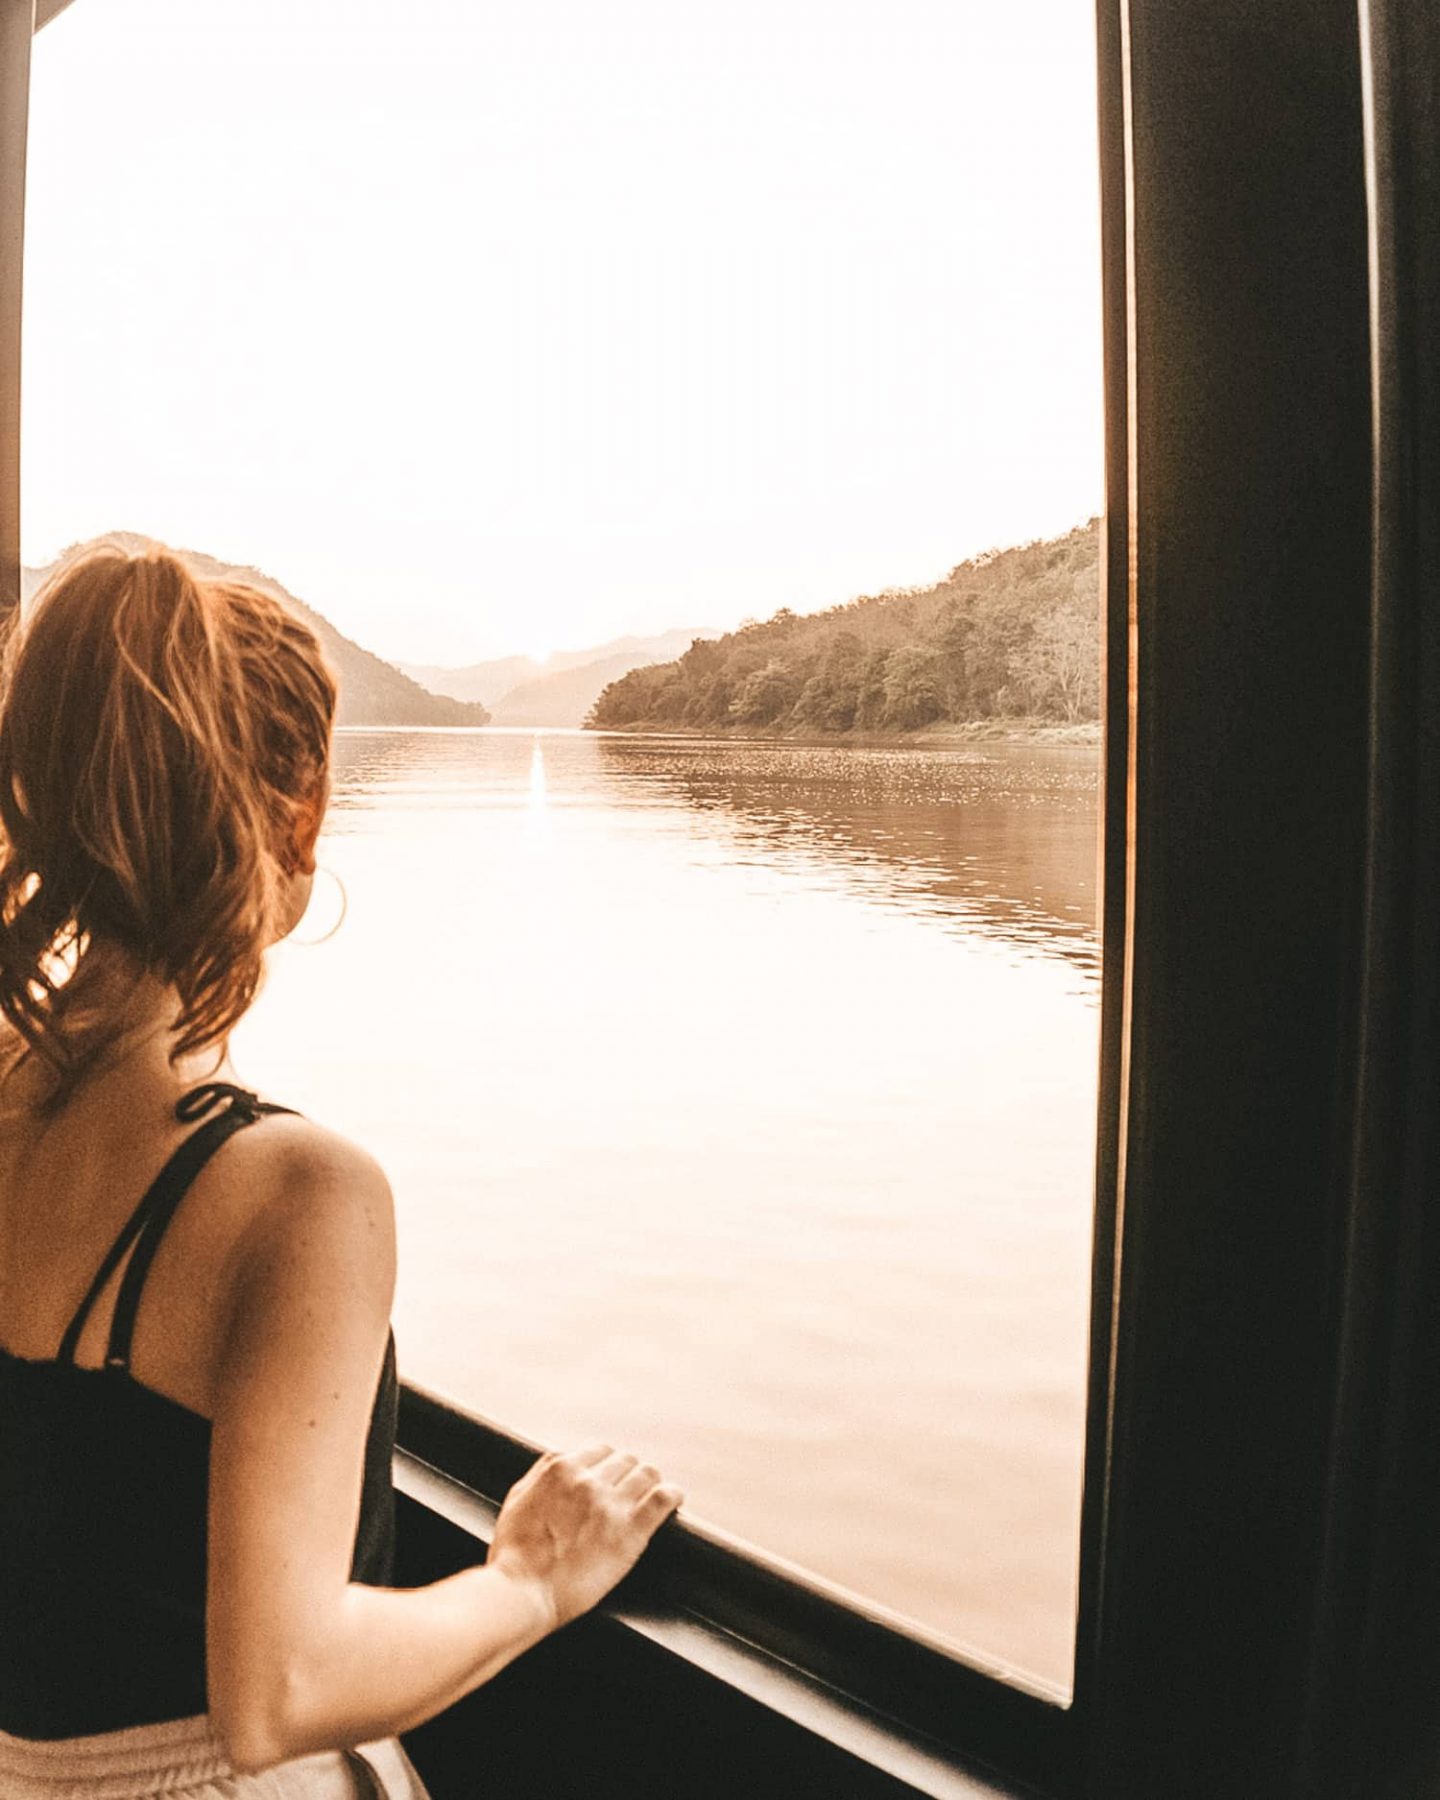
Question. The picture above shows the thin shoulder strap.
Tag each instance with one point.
(244, 1109)
(70, 1343)
(157, 1207)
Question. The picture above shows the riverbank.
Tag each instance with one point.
(938, 736)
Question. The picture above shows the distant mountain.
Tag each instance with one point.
(372, 691)
(485, 682)
(563, 698)
(561, 690)
(662, 647)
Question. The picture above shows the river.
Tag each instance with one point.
(738, 1100)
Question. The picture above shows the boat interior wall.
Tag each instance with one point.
(1371, 1724)
(1249, 484)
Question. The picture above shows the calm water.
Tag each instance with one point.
(738, 1101)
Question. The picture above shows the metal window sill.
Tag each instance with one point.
(824, 1712)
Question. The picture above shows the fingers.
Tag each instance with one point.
(573, 1463)
(635, 1481)
(615, 1468)
(639, 1481)
(658, 1505)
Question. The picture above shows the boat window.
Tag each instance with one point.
(686, 425)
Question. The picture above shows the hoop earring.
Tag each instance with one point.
(325, 936)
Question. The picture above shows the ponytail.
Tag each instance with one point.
(159, 737)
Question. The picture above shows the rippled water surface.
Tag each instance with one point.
(739, 1105)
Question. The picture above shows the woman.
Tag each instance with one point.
(197, 1381)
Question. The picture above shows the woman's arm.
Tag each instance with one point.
(300, 1658)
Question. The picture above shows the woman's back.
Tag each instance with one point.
(104, 1481)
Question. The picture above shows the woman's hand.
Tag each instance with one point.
(574, 1524)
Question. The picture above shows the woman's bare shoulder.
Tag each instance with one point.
(298, 1149)
(315, 1203)
(304, 1287)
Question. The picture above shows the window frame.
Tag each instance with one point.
(1256, 1596)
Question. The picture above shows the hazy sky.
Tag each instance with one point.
(493, 325)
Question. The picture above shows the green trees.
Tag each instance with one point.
(1062, 668)
(1010, 634)
(766, 695)
(912, 687)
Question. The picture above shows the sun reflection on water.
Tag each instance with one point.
(537, 807)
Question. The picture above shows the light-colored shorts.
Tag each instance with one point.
(182, 1760)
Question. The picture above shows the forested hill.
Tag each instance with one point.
(372, 691)
(1012, 634)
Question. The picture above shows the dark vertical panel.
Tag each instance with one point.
(1114, 830)
(1374, 1725)
(17, 25)
(1250, 481)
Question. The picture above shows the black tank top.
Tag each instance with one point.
(103, 1493)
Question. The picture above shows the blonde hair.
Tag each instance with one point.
(159, 737)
